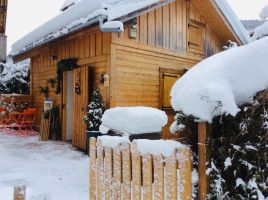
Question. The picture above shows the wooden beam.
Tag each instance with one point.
(204, 134)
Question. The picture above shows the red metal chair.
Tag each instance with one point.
(27, 120)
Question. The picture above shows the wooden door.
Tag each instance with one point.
(81, 77)
(168, 77)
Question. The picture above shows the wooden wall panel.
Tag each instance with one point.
(137, 76)
(167, 27)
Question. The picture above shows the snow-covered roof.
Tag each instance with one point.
(86, 12)
(82, 14)
(220, 83)
(234, 21)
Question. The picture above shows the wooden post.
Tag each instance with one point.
(204, 133)
(147, 178)
(185, 166)
(136, 173)
(100, 171)
(126, 188)
(117, 173)
(93, 157)
(159, 186)
(20, 192)
(108, 172)
(171, 177)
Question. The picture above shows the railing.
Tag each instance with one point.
(123, 173)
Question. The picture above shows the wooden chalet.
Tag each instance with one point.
(137, 67)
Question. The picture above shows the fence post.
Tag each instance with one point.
(185, 166)
(20, 192)
(158, 177)
(204, 134)
(147, 176)
(125, 148)
(93, 156)
(100, 171)
(117, 176)
(108, 172)
(171, 177)
(136, 172)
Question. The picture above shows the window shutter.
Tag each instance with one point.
(196, 37)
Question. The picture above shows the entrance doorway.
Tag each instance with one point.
(69, 105)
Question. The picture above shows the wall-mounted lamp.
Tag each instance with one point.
(53, 57)
(104, 79)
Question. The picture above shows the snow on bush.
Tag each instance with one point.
(133, 120)
(261, 31)
(264, 13)
(15, 78)
(220, 83)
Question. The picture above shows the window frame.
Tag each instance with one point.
(163, 72)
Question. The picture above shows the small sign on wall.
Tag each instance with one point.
(48, 104)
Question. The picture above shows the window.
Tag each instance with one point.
(196, 37)
(168, 77)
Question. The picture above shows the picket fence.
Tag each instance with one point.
(122, 173)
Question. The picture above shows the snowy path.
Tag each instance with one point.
(50, 170)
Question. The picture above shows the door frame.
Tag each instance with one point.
(63, 104)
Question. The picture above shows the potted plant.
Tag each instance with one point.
(94, 114)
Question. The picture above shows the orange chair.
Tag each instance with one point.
(27, 120)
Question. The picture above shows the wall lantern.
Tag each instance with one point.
(104, 79)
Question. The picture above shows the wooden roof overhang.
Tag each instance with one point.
(217, 20)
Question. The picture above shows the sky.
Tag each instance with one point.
(25, 15)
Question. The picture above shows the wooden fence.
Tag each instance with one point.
(123, 173)
(20, 192)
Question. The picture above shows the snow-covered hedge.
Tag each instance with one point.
(15, 78)
(221, 82)
(133, 120)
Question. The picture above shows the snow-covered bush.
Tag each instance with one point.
(239, 166)
(15, 78)
(95, 111)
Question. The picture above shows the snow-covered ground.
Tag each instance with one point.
(50, 170)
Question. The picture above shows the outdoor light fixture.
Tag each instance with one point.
(53, 57)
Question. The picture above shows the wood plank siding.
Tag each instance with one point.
(91, 47)
(162, 42)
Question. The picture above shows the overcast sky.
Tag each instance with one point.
(25, 15)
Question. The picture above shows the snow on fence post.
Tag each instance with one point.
(123, 172)
(93, 156)
(20, 192)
